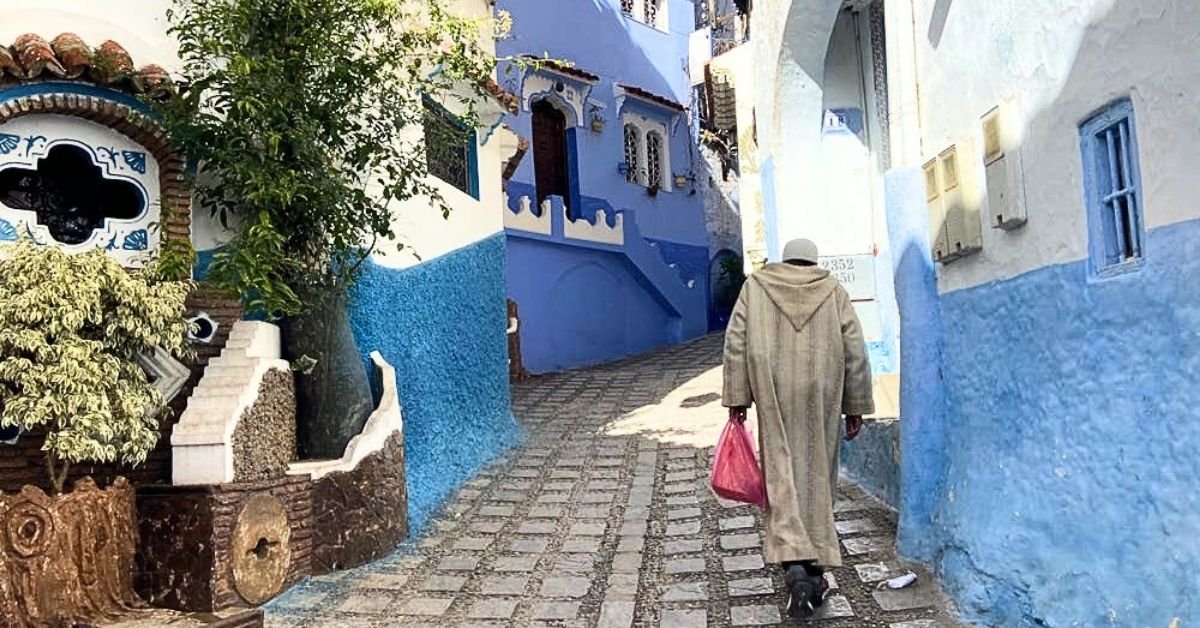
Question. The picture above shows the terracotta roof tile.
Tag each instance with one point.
(506, 98)
(67, 56)
(510, 166)
(561, 68)
(652, 97)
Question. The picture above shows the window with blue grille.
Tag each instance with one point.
(450, 152)
(1112, 183)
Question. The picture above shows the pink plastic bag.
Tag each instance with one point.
(735, 473)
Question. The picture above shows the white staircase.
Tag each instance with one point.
(202, 442)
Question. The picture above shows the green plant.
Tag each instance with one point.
(305, 120)
(301, 116)
(70, 329)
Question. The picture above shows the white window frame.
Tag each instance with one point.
(635, 170)
(645, 126)
(661, 18)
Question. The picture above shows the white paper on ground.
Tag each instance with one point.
(901, 582)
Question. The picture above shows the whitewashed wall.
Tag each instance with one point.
(1063, 60)
(739, 62)
(471, 220)
(141, 27)
(138, 25)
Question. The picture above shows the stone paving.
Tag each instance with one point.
(604, 518)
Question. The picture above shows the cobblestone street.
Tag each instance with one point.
(604, 518)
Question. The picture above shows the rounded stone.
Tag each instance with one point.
(261, 550)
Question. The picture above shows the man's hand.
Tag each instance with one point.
(853, 426)
(737, 414)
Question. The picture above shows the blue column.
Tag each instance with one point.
(576, 196)
(922, 393)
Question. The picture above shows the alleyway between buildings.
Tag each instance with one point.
(604, 518)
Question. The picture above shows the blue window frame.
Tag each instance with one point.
(450, 149)
(1113, 190)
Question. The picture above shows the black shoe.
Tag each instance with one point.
(802, 590)
(822, 591)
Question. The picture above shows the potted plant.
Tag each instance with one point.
(652, 189)
(71, 330)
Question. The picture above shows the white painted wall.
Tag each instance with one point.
(739, 63)
(421, 226)
(138, 25)
(1063, 60)
(844, 215)
(141, 27)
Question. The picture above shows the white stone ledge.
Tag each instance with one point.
(386, 420)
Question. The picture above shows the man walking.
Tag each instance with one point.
(795, 349)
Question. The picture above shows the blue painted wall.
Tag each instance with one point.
(583, 303)
(1049, 452)
(593, 306)
(595, 36)
(922, 398)
(441, 325)
(1073, 439)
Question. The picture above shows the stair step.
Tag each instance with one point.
(223, 380)
(241, 371)
(219, 391)
(232, 359)
(204, 401)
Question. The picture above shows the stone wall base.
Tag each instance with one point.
(213, 547)
(374, 497)
(873, 459)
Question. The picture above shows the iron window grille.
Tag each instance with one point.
(450, 149)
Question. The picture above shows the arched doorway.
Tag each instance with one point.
(725, 276)
(550, 157)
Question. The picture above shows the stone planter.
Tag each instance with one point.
(67, 558)
(209, 548)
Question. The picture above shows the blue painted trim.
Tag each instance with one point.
(473, 165)
(492, 129)
(63, 87)
(584, 88)
(770, 211)
(1099, 243)
(573, 188)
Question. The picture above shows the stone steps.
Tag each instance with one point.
(202, 441)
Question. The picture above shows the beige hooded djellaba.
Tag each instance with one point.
(794, 349)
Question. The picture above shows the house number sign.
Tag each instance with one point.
(856, 273)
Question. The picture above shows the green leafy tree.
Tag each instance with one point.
(71, 327)
(304, 118)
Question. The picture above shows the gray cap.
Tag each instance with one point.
(800, 251)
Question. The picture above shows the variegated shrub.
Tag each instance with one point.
(71, 327)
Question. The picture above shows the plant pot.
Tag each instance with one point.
(67, 558)
(652, 190)
(334, 399)
(597, 125)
